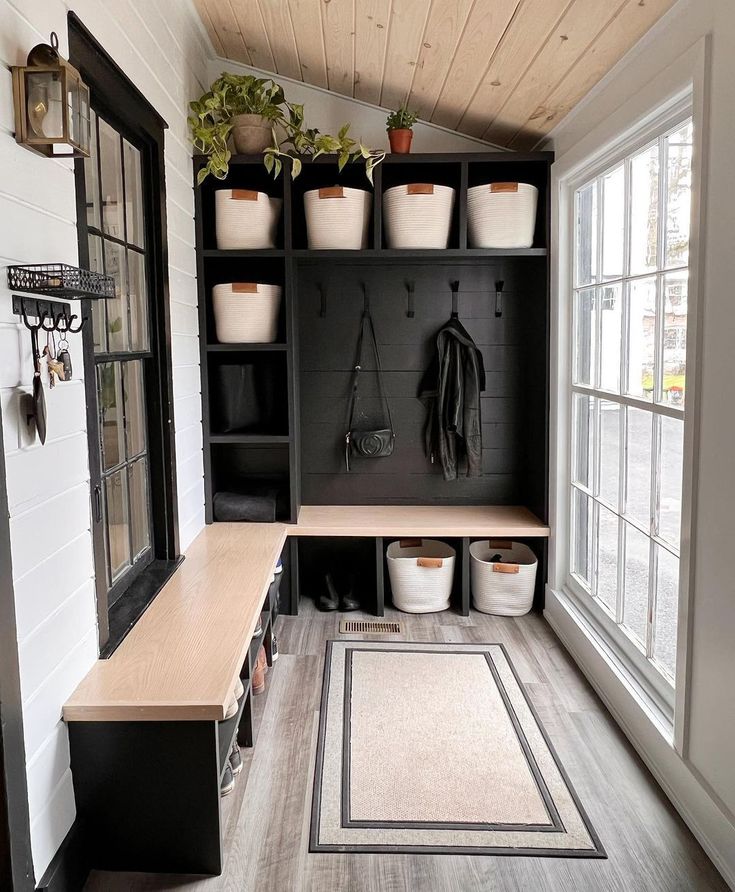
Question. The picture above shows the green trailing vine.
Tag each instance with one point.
(210, 122)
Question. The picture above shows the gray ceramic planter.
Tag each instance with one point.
(251, 134)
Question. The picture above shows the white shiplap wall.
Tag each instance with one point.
(161, 48)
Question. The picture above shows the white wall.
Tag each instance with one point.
(160, 47)
(702, 783)
(329, 111)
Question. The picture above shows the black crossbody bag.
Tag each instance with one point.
(368, 443)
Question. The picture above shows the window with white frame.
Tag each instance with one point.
(628, 387)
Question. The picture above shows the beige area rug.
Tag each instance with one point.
(435, 748)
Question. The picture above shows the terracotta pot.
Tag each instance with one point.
(251, 134)
(400, 141)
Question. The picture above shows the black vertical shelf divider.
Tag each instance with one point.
(464, 169)
(379, 576)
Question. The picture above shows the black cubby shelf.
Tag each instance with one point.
(302, 449)
(247, 348)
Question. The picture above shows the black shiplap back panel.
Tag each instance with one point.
(515, 368)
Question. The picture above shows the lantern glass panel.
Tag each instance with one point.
(44, 105)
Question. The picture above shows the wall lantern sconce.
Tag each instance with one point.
(51, 104)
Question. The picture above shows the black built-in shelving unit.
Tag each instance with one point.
(323, 298)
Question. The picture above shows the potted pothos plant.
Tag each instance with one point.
(253, 113)
(400, 133)
(308, 142)
(239, 105)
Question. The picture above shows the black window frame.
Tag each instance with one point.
(123, 106)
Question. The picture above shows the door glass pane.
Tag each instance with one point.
(91, 180)
(678, 196)
(117, 313)
(133, 195)
(610, 322)
(139, 506)
(99, 307)
(109, 397)
(586, 271)
(675, 338)
(584, 407)
(134, 408)
(635, 600)
(667, 608)
(613, 217)
(582, 536)
(138, 301)
(644, 211)
(607, 559)
(641, 337)
(609, 476)
(638, 470)
(116, 517)
(669, 507)
(112, 183)
(585, 327)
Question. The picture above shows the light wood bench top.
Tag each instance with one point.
(417, 520)
(183, 656)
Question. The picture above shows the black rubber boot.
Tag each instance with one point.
(348, 602)
(328, 599)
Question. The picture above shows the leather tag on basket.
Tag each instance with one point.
(244, 195)
(506, 568)
(503, 187)
(499, 543)
(332, 192)
(410, 543)
(420, 189)
(245, 287)
(434, 563)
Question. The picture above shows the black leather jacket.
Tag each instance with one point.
(451, 390)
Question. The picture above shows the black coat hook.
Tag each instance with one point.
(499, 285)
(322, 301)
(78, 327)
(365, 299)
(410, 286)
(455, 300)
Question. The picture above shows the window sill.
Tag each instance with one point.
(618, 663)
(129, 608)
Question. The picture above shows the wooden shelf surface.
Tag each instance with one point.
(417, 520)
(181, 660)
(247, 348)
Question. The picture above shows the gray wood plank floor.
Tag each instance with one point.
(267, 817)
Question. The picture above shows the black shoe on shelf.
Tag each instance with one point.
(329, 600)
(228, 781)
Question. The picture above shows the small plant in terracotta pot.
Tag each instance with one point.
(399, 126)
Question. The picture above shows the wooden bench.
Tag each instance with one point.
(148, 738)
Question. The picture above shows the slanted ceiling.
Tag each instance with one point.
(506, 71)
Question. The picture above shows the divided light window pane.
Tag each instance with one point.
(629, 340)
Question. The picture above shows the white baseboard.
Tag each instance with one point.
(712, 829)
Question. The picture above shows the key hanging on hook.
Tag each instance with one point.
(499, 286)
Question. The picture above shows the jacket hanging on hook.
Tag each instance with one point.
(450, 389)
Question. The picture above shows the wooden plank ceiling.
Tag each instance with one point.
(506, 71)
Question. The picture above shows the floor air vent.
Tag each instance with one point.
(368, 628)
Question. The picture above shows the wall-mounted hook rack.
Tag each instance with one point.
(34, 307)
(499, 285)
(455, 300)
(410, 288)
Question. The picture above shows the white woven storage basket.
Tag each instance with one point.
(338, 218)
(505, 589)
(418, 215)
(501, 215)
(246, 312)
(421, 574)
(245, 219)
